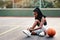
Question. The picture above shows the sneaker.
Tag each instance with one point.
(42, 34)
(27, 32)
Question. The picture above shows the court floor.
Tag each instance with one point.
(11, 28)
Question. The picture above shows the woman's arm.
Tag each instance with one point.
(33, 26)
(41, 23)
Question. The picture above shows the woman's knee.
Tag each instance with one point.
(37, 21)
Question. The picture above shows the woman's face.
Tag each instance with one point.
(35, 14)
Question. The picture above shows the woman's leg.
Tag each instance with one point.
(34, 25)
(43, 29)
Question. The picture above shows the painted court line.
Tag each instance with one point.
(9, 30)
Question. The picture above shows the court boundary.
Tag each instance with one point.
(29, 8)
(23, 17)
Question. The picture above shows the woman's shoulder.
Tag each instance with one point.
(44, 16)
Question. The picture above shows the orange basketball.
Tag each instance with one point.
(51, 32)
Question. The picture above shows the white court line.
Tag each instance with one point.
(9, 30)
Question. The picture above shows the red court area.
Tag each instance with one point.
(11, 28)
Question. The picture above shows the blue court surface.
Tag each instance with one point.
(11, 28)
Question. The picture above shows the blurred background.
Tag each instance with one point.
(26, 7)
(29, 3)
(50, 3)
(19, 3)
(17, 15)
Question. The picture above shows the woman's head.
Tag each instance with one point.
(37, 12)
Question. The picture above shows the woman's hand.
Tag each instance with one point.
(30, 29)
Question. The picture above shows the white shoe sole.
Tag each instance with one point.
(27, 32)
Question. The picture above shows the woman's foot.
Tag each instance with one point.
(27, 32)
(42, 34)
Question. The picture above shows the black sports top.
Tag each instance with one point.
(39, 18)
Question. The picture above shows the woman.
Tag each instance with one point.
(40, 21)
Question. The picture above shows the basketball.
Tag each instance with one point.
(51, 32)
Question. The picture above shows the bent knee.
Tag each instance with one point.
(37, 21)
